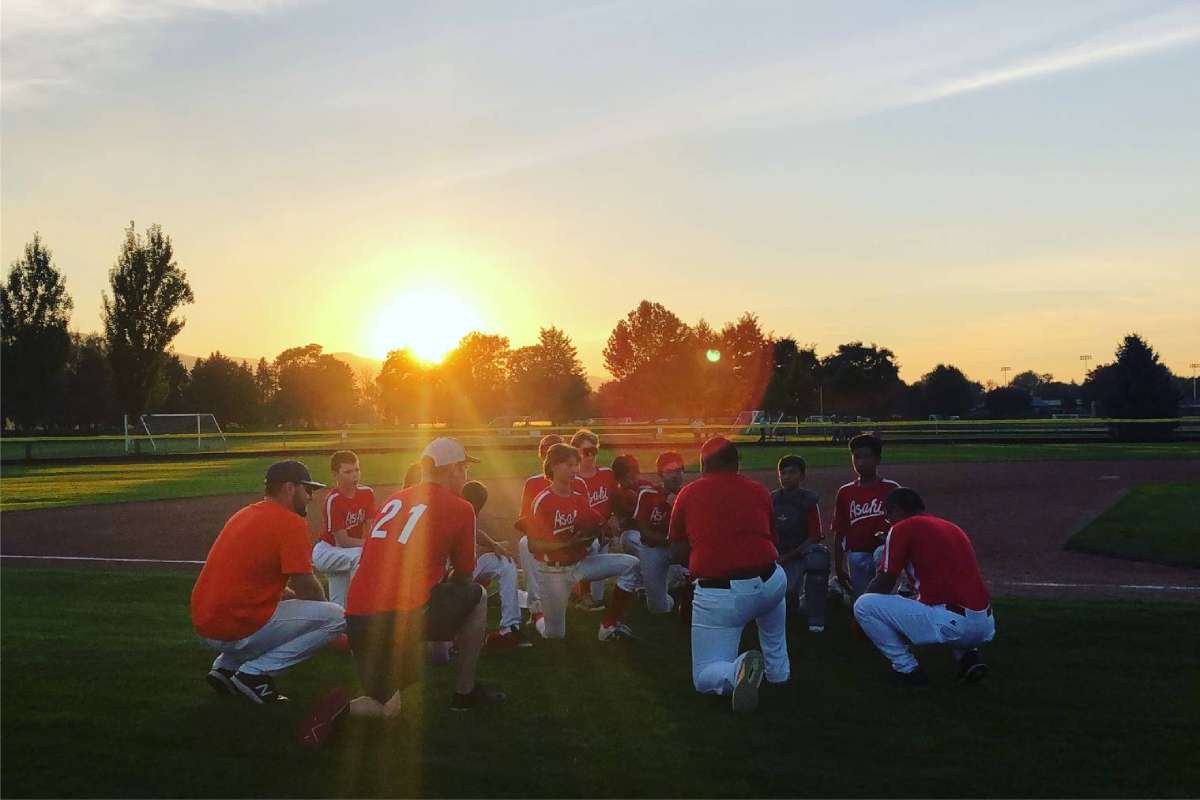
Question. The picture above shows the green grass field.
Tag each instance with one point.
(103, 696)
(1154, 522)
(49, 486)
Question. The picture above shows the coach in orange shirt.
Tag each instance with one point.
(237, 603)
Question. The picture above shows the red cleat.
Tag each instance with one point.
(332, 707)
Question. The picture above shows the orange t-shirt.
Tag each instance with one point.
(247, 569)
(407, 546)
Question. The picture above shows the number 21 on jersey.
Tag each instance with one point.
(389, 512)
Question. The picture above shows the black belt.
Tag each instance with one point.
(962, 612)
(723, 583)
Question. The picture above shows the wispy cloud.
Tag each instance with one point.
(55, 44)
(924, 61)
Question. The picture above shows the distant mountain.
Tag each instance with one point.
(359, 363)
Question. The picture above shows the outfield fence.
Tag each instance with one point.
(631, 435)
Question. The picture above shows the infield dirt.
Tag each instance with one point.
(1019, 515)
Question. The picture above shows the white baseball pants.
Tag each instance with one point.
(718, 618)
(556, 584)
(652, 572)
(862, 568)
(529, 567)
(296, 630)
(489, 566)
(891, 622)
(337, 564)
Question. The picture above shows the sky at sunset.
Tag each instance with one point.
(984, 184)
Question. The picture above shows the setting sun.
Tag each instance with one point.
(429, 322)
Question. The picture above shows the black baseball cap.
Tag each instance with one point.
(291, 472)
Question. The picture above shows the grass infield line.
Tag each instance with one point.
(1023, 584)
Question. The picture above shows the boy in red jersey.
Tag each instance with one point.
(534, 485)
(952, 604)
(344, 512)
(645, 535)
(562, 527)
(859, 517)
(600, 487)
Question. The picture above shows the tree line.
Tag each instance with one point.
(661, 366)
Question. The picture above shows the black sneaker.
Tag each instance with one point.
(479, 696)
(971, 668)
(219, 680)
(257, 688)
(909, 680)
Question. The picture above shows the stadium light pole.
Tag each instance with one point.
(1004, 375)
(1195, 366)
(1085, 359)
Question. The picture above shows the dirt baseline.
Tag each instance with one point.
(1018, 514)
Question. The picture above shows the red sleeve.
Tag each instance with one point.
(838, 525)
(462, 556)
(370, 504)
(589, 518)
(538, 523)
(678, 529)
(814, 523)
(770, 512)
(326, 517)
(526, 498)
(895, 551)
(295, 552)
(643, 506)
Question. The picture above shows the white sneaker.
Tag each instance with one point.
(745, 686)
(614, 633)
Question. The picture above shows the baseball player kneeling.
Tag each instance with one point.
(401, 596)
(646, 536)
(723, 527)
(344, 513)
(952, 606)
(494, 560)
(561, 529)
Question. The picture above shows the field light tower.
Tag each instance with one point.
(1195, 366)
(1004, 375)
(1085, 359)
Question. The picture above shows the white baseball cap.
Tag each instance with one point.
(446, 451)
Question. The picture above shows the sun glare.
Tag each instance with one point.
(429, 322)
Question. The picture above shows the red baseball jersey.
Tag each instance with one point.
(653, 509)
(601, 487)
(939, 558)
(411, 538)
(860, 514)
(349, 512)
(624, 502)
(729, 521)
(555, 518)
(535, 485)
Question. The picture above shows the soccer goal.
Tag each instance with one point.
(176, 433)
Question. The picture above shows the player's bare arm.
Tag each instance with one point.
(306, 586)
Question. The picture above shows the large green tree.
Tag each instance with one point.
(314, 388)
(89, 402)
(547, 378)
(140, 321)
(861, 379)
(795, 379)
(947, 391)
(224, 388)
(474, 379)
(1135, 386)
(34, 343)
(653, 357)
